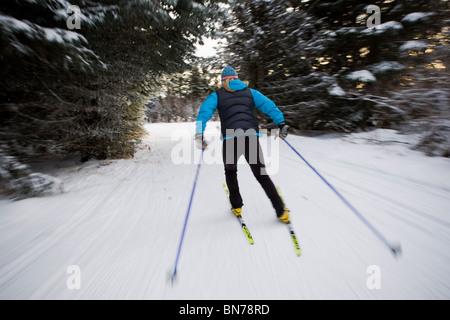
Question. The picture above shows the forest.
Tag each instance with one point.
(80, 78)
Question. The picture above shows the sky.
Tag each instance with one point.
(207, 50)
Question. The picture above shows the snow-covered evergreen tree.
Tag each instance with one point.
(82, 91)
(326, 69)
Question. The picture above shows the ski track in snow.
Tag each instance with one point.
(121, 222)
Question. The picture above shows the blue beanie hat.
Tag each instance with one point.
(229, 73)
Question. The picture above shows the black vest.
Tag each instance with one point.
(236, 110)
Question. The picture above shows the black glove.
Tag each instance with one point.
(200, 142)
(284, 129)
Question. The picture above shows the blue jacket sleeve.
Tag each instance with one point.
(206, 112)
(267, 106)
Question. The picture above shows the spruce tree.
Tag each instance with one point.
(81, 92)
(327, 70)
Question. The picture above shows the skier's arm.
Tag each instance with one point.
(267, 106)
(206, 112)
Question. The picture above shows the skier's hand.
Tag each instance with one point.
(200, 142)
(284, 129)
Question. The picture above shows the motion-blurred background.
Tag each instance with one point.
(88, 91)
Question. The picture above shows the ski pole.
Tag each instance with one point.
(187, 217)
(396, 250)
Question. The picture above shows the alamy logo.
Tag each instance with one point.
(374, 280)
(375, 18)
(74, 19)
(74, 280)
(186, 152)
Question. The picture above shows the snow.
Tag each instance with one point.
(62, 36)
(336, 90)
(208, 49)
(417, 16)
(344, 31)
(13, 25)
(32, 31)
(120, 222)
(36, 184)
(20, 182)
(413, 45)
(386, 66)
(384, 27)
(362, 76)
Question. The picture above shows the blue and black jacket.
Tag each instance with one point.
(236, 109)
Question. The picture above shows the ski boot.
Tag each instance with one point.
(284, 217)
(237, 211)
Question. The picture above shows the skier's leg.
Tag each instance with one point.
(254, 156)
(230, 159)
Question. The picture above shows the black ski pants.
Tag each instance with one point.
(249, 147)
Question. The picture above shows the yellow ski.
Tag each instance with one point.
(298, 251)
(294, 239)
(244, 227)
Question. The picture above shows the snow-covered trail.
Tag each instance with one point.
(120, 222)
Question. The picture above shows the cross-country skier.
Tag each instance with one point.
(235, 103)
